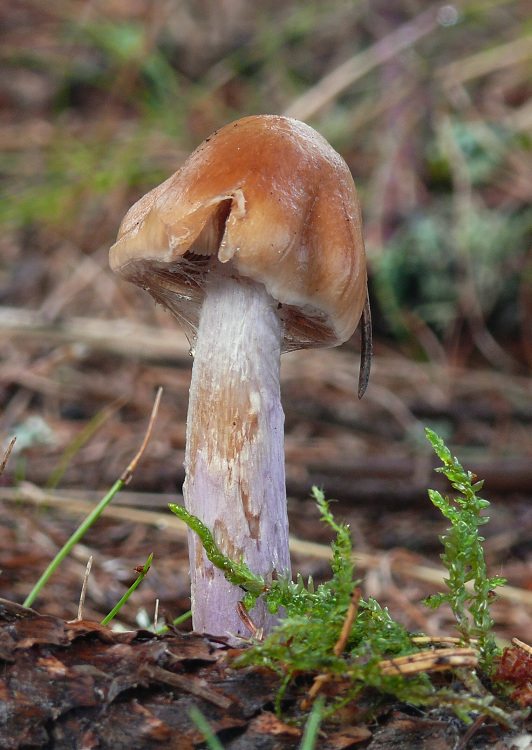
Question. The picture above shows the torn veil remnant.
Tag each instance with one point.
(256, 247)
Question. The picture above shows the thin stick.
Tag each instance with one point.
(186, 683)
(84, 588)
(485, 62)
(128, 473)
(142, 575)
(117, 336)
(435, 576)
(96, 512)
(348, 622)
(321, 679)
(255, 631)
(523, 646)
(6, 455)
(473, 729)
(155, 615)
(434, 660)
(443, 639)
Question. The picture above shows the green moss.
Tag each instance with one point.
(464, 556)
(304, 642)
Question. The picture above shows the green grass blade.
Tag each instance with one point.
(213, 743)
(76, 536)
(93, 515)
(178, 620)
(312, 727)
(142, 575)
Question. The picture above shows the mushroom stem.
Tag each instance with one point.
(235, 479)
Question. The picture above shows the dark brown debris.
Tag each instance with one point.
(78, 684)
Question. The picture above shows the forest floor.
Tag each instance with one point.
(370, 455)
(101, 101)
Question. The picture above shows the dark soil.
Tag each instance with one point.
(78, 684)
(83, 353)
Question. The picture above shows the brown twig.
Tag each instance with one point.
(187, 684)
(440, 639)
(348, 622)
(127, 474)
(84, 588)
(322, 679)
(255, 631)
(6, 455)
(435, 660)
(156, 616)
(486, 61)
(116, 336)
(523, 646)
(27, 492)
(473, 729)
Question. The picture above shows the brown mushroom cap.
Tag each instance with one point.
(269, 194)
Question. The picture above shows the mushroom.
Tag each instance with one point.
(255, 245)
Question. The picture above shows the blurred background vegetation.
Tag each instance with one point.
(429, 103)
(431, 106)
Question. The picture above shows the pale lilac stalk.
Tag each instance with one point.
(235, 477)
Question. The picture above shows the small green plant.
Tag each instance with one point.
(306, 640)
(78, 534)
(141, 576)
(212, 741)
(308, 742)
(464, 556)
(93, 516)
(329, 600)
(312, 727)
